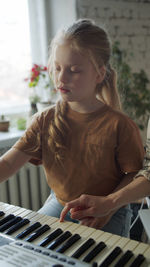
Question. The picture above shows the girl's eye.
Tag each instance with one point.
(57, 68)
(75, 71)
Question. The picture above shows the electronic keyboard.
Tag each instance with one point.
(28, 238)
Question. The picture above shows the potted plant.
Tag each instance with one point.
(4, 123)
(133, 87)
(42, 91)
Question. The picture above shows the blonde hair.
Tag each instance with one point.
(89, 38)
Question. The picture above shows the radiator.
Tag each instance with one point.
(27, 188)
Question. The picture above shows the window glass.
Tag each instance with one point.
(15, 55)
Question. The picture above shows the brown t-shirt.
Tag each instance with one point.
(102, 147)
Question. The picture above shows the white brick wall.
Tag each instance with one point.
(127, 21)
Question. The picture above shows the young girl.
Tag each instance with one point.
(86, 145)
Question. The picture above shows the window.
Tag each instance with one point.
(15, 55)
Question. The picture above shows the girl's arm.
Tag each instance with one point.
(96, 206)
(11, 162)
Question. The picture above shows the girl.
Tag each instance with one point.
(86, 145)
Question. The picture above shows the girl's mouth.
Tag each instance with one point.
(64, 90)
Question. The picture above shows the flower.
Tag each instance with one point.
(36, 73)
(41, 84)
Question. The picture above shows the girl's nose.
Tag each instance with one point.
(63, 76)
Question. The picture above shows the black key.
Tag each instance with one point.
(83, 248)
(59, 240)
(68, 243)
(8, 224)
(111, 257)
(94, 252)
(138, 261)
(17, 226)
(50, 237)
(28, 230)
(1, 213)
(124, 259)
(37, 233)
(6, 219)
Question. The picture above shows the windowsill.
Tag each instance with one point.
(15, 110)
(8, 139)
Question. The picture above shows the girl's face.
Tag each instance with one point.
(74, 75)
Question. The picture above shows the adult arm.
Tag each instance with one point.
(97, 206)
(11, 162)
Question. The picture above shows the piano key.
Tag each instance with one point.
(37, 233)
(44, 235)
(59, 240)
(138, 261)
(111, 243)
(48, 219)
(12, 209)
(54, 224)
(71, 227)
(17, 226)
(147, 253)
(86, 233)
(86, 245)
(7, 207)
(140, 248)
(10, 223)
(96, 250)
(124, 259)
(124, 243)
(19, 212)
(41, 237)
(85, 230)
(65, 225)
(34, 216)
(97, 234)
(111, 257)
(1, 213)
(6, 219)
(16, 210)
(50, 237)
(28, 230)
(72, 240)
(131, 245)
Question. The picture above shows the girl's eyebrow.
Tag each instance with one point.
(55, 62)
(70, 65)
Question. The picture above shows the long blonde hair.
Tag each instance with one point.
(86, 37)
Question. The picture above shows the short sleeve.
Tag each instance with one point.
(31, 141)
(130, 149)
(145, 171)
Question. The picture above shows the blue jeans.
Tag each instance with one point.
(119, 223)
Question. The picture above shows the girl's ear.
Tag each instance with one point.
(101, 75)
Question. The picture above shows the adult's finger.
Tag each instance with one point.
(75, 204)
(81, 213)
(64, 213)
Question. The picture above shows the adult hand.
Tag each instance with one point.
(87, 206)
(96, 223)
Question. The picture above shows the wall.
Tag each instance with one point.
(127, 21)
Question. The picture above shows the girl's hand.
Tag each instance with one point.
(87, 206)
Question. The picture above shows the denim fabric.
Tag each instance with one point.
(119, 223)
(53, 208)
